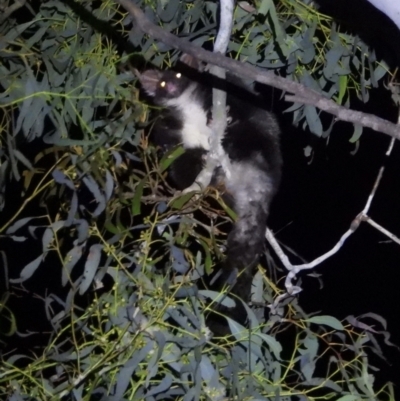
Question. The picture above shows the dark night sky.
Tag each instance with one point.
(318, 201)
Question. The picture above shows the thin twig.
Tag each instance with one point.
(381, 229)
(362, 216)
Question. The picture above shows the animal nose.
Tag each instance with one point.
(172, 89)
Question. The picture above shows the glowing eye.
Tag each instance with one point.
(162, 84)
(178, 75)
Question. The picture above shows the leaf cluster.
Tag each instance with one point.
(129, 254)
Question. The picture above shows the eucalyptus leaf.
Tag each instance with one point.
(47, 239)
(182, 200)
(218, 298)
(265, 6)
(313, 119)
(18, 155)
(307, 367)
(87, 111)
(169, 157)
(18, 238)
(83, 230)
(169, 10)
(164, 385)
(92, 185)
(343, 81)
(274, 345)
(18, 224)
(358, 129)
(12, 34)
(30, 88)
(123, 379)
(61, 178)
(327, 321)
(180, 264)
(71, 259)
(91, 266)
(34, 39)
(349, 397)
(109, 186)
(332, 58)
(28, 270)
(137, 198)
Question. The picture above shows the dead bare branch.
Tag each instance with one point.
(361, 217)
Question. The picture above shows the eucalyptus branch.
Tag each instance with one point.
(362, 216)
(219, 97)
(300, 93)
(216, 156)
(383, 230)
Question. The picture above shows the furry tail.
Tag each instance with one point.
(252, 189)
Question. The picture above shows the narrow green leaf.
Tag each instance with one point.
(208, 259)
(137, 198)
(169, 157)
(181, 201)
(231, 213)
(343, 80)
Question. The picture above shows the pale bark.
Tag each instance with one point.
(389, 7)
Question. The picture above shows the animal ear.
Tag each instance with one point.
(149, 80)
(191, 62)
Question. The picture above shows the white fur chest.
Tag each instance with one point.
(195, 131)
